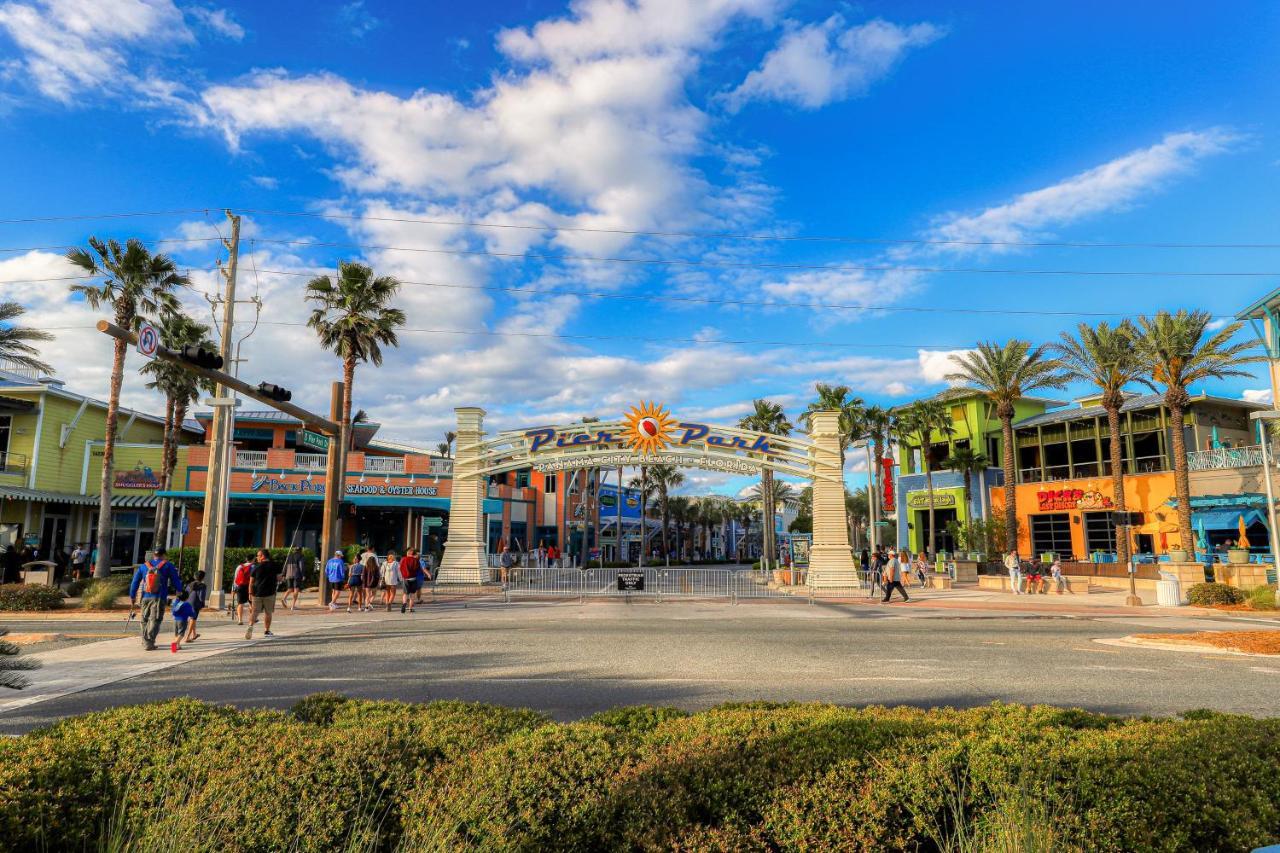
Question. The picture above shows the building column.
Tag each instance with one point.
(831, 559)
(464, 556)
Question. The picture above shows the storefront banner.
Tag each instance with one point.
(274, 486)
(609, 503)
(920, 500)
(140, 477)
(1057, 499)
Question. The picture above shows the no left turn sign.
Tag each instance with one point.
(148, 340)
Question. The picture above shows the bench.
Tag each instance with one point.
(999, 583)
(939, 582)
(1074, 585)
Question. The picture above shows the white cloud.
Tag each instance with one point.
(1256, 395)
(1112, 186)
(817, 64)
(936, 364)
(218, 21)
(357, 19)
(265, 181)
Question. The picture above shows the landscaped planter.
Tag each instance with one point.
(1237, 556)
(1177, 555)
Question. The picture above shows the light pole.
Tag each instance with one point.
(1269, 415)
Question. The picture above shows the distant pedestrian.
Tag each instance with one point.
(240, 589)
(79, 557)
(893, 570)
(266, 582)
(1055, 571)
(507, 560)
(199, 598)
(922, 570)
(409, 569)
(336, 572)
(420, 580)
(390, 579)
(151, 585)
(294, 572)
(355, 584)
(372, 578)
(183, 620)
(1014, 567)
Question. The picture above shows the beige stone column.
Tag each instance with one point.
(831, 560)
(464, 557)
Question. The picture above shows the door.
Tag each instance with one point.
(54, 535)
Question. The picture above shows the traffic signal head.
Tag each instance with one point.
(201, 357)
(275, 392)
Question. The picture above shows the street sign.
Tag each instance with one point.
(148, 340)
(432, 521)
(184, 525)
(314, 440)
(630, 581)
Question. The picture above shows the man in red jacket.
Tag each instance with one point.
(409, 578)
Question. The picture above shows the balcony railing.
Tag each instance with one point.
(441, 466)
(310, 461)
(13, 463)
(1141, 465)
(384, 464)
(251, 459)
(1224, 457)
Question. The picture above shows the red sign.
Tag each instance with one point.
(887, 501)
(1072, 499)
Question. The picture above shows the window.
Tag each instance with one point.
(6, 422)
(993, 452)
(957, 413)
(1099, 532)
(549, 484)
(1051, 532)
(522, 478)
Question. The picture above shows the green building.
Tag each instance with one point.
(51, 467)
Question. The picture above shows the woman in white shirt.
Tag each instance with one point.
(390, 579)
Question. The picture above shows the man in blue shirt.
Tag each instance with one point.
(336, 572)
(153, 581)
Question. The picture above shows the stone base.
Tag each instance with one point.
(939, 582)
(832, 566)
(966, 571)
(463, 563)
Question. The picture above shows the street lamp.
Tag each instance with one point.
(1269, 415)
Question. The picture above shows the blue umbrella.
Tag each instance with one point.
(1202, 541)
(1216, 443)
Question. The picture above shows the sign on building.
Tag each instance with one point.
(313, 440)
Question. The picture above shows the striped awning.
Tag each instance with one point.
(17, 493)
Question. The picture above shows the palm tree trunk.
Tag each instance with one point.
(930, 546)
(666, 523)
(103, 568)
(344, 438)
(766, 481)
(1117, 481)
(1182, 483)
(1010, 486)
(162, 513)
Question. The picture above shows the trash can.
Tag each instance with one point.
(1168, 590)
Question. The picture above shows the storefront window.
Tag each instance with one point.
(1051, 532)
(522, 478)
(549, 484)
(1099, 532)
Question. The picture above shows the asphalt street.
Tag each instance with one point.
(572, 659)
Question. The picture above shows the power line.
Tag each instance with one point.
(77, 245)
(91, 216)
(766, 266)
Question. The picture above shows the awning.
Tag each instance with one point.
(15, 406)
(1208, 502)
(1227, 519)
(41, 496)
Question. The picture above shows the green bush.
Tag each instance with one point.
(189, 561)
(101, 594)
(1262, 598)
(32, 596)
(1204, 594)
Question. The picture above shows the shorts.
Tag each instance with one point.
(371, 581)
(180, 627)
(294, 583)
(410, 587)
(265, 603)
(355, 582)
(197, 609)
(242, 595)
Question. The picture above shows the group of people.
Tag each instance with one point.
(152, 584)
(891, 569)
(365, 575)
(80, 561)
(1029, 577)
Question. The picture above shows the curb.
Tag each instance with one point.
(1194, 648)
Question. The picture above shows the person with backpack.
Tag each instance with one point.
(355, 584)
(336, 572)
(199, 598)
(152, 582)
(266, 581)
(293, 575)
(240, 589)
(409, 569)
(183, 620)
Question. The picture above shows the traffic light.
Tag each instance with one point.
(201, 357)
(275, 392)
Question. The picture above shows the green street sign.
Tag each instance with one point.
(432, 521)
(314, 440)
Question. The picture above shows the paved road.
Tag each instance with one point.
(572, 659)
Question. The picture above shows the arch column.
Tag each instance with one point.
(831, 557)
(464, 556)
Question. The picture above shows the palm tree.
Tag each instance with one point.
(769, 418)
(918, 423)
(657, 481)
(449, 439)
(1003, 374)
(442, 448)
(135, 283)
(1105, 356)
(680, 508)
(353, 320)
(181, 389)
(835, 398)
(877, 427)
(1173, 352)
(966, 461)
(16, 349)
(12, 666)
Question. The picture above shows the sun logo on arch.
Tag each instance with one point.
(649, 427)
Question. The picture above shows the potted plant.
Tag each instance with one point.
(1237, 556)
(1178, 555)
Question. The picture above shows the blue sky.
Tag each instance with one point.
(1114, 123)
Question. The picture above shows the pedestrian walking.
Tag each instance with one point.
(199, 598)
(372, 578)
(183, 620)
(293, 575)
(266, 582)
(152, 583)
(390, 578)
(240, 589)
(922, 570)
(79, 557)
(409, 569)
(420, 580)
(355, 584)
(893, 570)
(1014, 566)
(507, 560)
(335, 570)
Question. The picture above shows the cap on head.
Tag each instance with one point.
(159, 552)
(337, 553)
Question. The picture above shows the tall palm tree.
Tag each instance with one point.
(877, 427)
(1003, 374)
(181, 388)
(663, 479)
(835, 398)
(449, 438)
(353, 319)
(966, 461)
(1105, 356)
(443, 448)
(680, 508)
(135, 283)
(16, 342)
(769, 418)
(1174, 352)
(918, 423)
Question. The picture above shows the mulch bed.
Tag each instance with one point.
(1253, 642)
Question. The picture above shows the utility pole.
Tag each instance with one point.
(873, 496)
(212, 534)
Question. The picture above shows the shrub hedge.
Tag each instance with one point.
(1262, 598)
(31, 596)
(1203, 594)
(336, 773)
(189, 561)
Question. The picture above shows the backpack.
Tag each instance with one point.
(151, 583)
(242, 575)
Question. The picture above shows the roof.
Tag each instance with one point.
(400, 447)
(1131, 404)
(12, 380)
(1258, 310)
(952, 395)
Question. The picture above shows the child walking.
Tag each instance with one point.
(183, 620)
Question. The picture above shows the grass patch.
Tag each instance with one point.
(101, 594)
(1253, 642)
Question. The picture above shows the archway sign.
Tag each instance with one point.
(648, 435)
